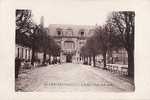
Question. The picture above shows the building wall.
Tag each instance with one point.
(118, 57)
(23, 52)
(65, 28)
(77, 34)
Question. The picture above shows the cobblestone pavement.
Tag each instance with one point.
(71, 77)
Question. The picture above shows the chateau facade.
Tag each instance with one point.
(70, 38)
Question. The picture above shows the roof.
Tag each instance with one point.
(76, 28)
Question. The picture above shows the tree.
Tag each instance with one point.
(123, 23)
(90, 49)
(26, 31)
(43, 42)
(85, 52)
(24, 27)
(35, 38)
(104, 38)
(55, 49)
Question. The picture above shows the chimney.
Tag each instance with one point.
(42, 21)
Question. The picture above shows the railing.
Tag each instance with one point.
(121, 69)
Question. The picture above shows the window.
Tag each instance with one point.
(68, 32)
(69, 45)
(58, 33)
(82, 33)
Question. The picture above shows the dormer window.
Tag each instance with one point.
(58, 33)
(82, 33)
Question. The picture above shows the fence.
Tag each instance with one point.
(121, 69)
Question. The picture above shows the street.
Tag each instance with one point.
(69, 77)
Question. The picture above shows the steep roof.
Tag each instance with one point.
(76, 28)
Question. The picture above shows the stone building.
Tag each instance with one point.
(71, 38)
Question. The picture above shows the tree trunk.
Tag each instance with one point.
(112, 60)
(131, 63)
(90, 60)
(94, 61)
(44, 57)
(104, 60)
(33, 56)
(49, 59)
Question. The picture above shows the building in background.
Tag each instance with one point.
(70, 38)
(119, 56)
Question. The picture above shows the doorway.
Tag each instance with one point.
(68, 58)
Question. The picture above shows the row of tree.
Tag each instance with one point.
(34, 36)
(118, 32)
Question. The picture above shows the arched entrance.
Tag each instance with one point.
(68, 58)
(68, 50)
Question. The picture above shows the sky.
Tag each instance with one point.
(85, 12)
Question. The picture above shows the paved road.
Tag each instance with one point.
(73, 78)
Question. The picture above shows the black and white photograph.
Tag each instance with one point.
(74, 57)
